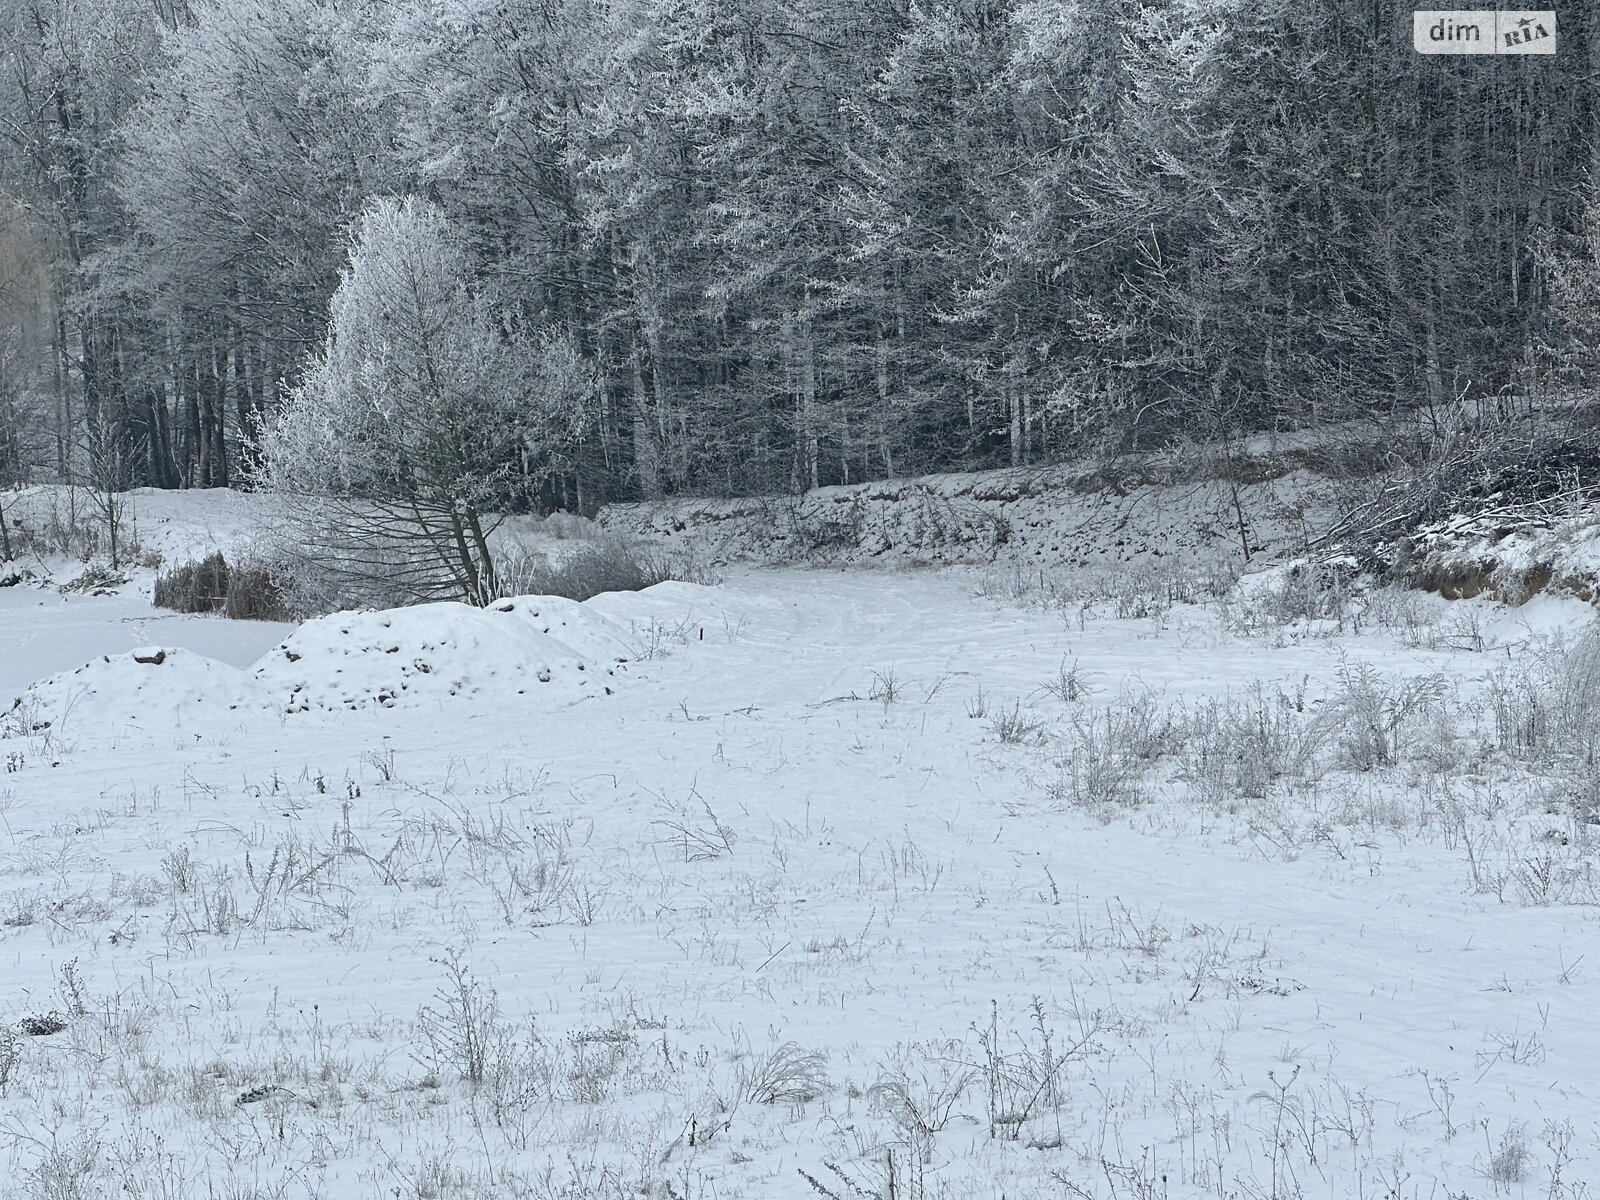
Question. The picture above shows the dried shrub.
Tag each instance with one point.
(787, 1074)
(254, 595)
(246, 592)
(194, 587)
(608, 565)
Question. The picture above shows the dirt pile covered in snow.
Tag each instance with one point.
(532, 646)
(150, 688)
(1508, 554)
(1028, 518)
(537, 650)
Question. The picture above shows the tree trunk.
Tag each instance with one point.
(469, 567)
(810, 441)
(488, 577)
(646, 452)
(883, 405)
(158, 441)
(1014, 402)
(195, 455)
(63, 368)
(217, 416)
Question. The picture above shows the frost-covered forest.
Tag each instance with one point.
(744, 246)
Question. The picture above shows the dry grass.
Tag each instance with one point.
(245, 592)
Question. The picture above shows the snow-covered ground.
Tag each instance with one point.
(850, 884)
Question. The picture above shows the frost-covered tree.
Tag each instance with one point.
(405, 428)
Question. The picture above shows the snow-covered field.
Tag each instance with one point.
(844, 884)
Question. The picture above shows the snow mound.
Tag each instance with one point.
(574, 625)
(669, 601)
(431, 652)
(151, 687)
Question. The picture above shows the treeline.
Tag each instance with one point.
(795, 242)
